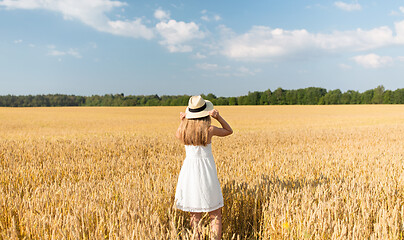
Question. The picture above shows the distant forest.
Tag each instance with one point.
(306, 96)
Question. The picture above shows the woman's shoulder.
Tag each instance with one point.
(212, 128)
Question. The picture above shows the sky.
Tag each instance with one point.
(225, 47)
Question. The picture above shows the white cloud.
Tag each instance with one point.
(18, 41)
(74, 53)
(265, 43)
(393, 13)
(400, 58)
(399, 39)
(176, 34)
(357, 40)
(205, 18)
(225, 32)
(161, 14)
(261, 42)
(372, 60)
(212, 18)
(347, 6)
(345, 66)
(89, 12)
(316, 6)
(220, 74)
(70, 52)
(209, 16)
(198, 55)
(207, 66)
(227, 71)
(242, 71)
(56, 53)
(133, 29)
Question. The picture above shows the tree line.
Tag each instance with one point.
(304, 96)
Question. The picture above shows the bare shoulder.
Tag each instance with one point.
(210, 131)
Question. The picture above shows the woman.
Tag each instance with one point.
(198, 188)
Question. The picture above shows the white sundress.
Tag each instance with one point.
(198, 188)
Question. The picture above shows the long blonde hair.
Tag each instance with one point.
(195, 131)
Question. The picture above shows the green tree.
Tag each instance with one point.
(388, 97)
(278, 97)
(211, 97)
(291, 97)
(367, 96)
(333, 97)
(399, 96)
(253, 98)
(266, 97)
(355, 97)
(242, 100)
(378, 95)
(232, 101)
(222, 101)
(346, 98)
(312, 95)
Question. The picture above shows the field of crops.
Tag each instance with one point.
(287, 172)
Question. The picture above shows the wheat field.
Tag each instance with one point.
(287, 172)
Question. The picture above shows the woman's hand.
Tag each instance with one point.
(214, 113)
(182, 116)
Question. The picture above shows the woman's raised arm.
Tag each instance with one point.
(225, 130)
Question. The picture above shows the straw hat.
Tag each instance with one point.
(198, 107)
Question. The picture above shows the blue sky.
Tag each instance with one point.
(191, 47)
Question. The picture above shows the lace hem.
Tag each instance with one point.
(188, 209)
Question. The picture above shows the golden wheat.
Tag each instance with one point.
(287, 172)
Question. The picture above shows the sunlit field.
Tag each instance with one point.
(287, 172)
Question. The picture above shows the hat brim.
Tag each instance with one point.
(201, 114)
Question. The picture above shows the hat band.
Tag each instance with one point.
(198, 109)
